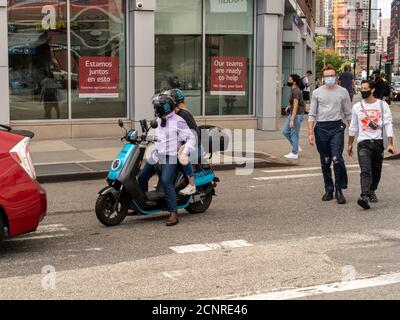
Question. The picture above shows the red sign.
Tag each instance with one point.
(98, 77)
(228, 76)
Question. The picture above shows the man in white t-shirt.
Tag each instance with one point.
(368, 119)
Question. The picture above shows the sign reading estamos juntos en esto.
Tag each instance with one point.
(98, 77)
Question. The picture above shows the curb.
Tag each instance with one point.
(393, 157)
(101, 174)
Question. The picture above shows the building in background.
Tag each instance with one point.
(350, 26)
(76, 66)
(299, 47)
(393, 53)
(328, 14)
(320, 13)
(382, 41)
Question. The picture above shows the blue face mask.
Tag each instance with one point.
(330, 81)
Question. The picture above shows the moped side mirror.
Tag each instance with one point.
(154, 124)
(120, 123)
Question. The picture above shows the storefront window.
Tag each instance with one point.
(98, 59)
(37, 51)
(228, 48)
(38, 59)
(229, 54)
(179, 49)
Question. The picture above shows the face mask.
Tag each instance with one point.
(290, 84)
(366, 94)
(330, 81)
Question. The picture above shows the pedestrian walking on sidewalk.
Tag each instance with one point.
(371, 118)
(329, 104)
(346, 80)
(291, 129)
(305, 87)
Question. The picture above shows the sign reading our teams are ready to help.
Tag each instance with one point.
(98, 77)
(228, 76)
(221, 6)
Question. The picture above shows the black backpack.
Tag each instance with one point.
(302, 86)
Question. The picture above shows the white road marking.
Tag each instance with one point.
(173, 275)
(309, 169)
(211, 246)
(295, 176)
(41, 237)
(383, 280)
(49, 231)
(51, 228)
(86, 250)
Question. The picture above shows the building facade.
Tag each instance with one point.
(350, 25)
(393, 53)
(75, 66)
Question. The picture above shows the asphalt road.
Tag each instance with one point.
(259, 236)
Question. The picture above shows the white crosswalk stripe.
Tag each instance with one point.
(211, 246)
(301, 173)
(45, 232)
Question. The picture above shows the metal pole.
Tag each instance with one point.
(356, 46)
(369, 38)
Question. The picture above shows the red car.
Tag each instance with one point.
(23, 202)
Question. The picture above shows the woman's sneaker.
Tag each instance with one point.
(292, 156)
(189, 190)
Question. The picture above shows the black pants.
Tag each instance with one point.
(329, 137)
(370, 158)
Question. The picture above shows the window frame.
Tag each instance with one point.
(69, 77)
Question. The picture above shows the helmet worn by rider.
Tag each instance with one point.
(163, 104)
(177, 95)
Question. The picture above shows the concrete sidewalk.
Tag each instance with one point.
(81, 159)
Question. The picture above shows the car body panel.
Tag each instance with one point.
(22, 199)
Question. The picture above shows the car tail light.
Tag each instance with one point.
(20, 153)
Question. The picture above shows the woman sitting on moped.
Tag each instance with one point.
(195, 157)
(172, 131)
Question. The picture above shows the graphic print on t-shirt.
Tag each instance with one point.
(370, 115)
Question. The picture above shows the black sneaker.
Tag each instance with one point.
(364, 203)
(373, 198)
(340, 197)
(327, 196)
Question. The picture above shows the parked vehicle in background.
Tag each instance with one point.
(395, 88)
(23, 202)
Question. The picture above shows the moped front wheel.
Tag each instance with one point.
(109, 214)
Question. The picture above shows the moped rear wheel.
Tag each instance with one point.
(105, 212)
(201, 206)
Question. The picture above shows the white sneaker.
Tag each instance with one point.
(292, 156)
(188, 190)
(300, 149)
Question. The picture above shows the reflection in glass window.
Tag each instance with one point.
(37, 53)
(229, 54)
(178, 59)
(228, 51)
(98, 59)
(179, 49)
(229, 74)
